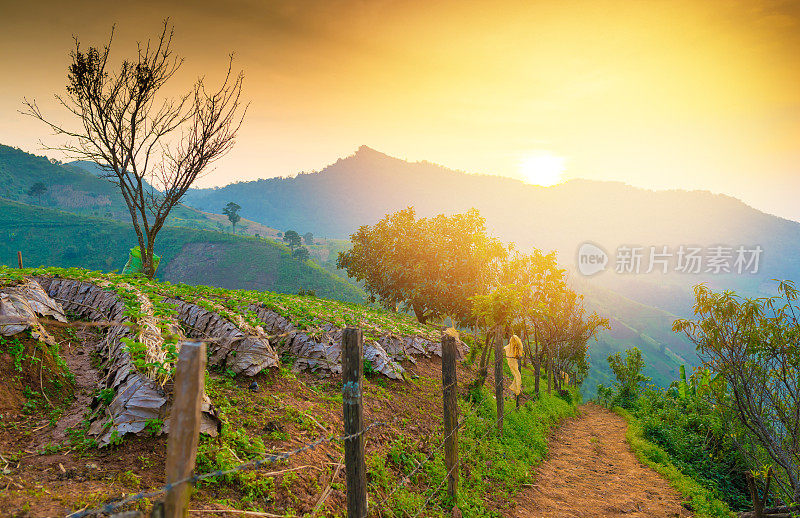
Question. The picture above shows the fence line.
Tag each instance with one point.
(433, 493)
(353, 439)
(268, 459)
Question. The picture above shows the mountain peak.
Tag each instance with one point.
(366, 151)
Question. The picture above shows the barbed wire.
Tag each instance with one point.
(253, 464)
(456, 465)
(430, 455)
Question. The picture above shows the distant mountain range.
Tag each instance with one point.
(360, 189)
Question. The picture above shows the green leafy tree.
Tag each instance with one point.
(628, 371)
(37, 190)
(431, 266)
(301, 254)
(292, 239)
(232, 211)
(308, 237)
(754, 344)
(529, 297)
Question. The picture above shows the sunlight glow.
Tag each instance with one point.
(542, 168)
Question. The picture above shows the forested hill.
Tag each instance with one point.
(363, 187)
(50, 237)
(76, 188)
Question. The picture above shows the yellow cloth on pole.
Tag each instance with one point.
(513, 351)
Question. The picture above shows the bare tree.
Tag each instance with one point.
(153, 149)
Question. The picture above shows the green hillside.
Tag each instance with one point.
(76, 188)
(49, 237)
(633, 325)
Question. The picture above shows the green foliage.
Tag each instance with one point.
(704, 502)
(15, 349)
(37, 189)
(301, 254)
(369, 369)
(292, 239)
(698, 439)
(501, 307)
(81, 190)
(153, 426)
(232, 211)
(682, 435)
(605, 396)
(106, 395)
(628, 372)
(751, 344)
(498, 465)
(429, 265)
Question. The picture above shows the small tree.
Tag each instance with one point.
(292, 239)
(308, 237)
(37, 189)
(301, 254)
(628, 372)
(232, 211)
(429, 265)
(152, 150)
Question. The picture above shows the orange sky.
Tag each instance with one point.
(678, 94)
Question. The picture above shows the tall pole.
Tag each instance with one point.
(355, 469)
(450, 404)
(184, 426)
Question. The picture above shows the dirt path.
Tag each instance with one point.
(591, 471)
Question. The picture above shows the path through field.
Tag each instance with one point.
(591, 472)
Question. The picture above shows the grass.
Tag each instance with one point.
(703, 501)
(493, 468)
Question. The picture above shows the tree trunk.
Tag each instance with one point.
(483, 366)
(148, 264)
(549, 376)
(420, 314)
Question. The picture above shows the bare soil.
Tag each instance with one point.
(42, 472)
(591, 472)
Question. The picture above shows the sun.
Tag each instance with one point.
(542, 168)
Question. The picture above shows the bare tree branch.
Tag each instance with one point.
(152, 150)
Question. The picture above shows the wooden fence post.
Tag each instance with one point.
(19, 258)
(184, 426)
(499, 355)
(449, 397)
(519, 368)
(355, 470)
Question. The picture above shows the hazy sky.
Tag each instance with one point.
(677, 94)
